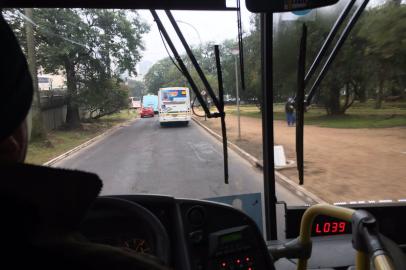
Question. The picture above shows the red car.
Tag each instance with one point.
(147, 112)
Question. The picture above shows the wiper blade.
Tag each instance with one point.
(300, 105)
(192, 58)
(182, 65)
(221, 110)
(240, 45)
(328, 41)
(218, 102)
(300, 99)
(336, 49)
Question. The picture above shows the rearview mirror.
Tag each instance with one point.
(286, 5)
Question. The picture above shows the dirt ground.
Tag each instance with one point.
(341, 165)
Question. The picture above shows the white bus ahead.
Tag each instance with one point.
(174, 105)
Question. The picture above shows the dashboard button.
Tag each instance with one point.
(196, 236)
(195, 215)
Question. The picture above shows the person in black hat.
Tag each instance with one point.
(43, 207)
(15, 97)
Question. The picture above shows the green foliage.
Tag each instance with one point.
(386, 49)
(360, 115)
(161, 74)
(16, 22)
(103, 97)
(369, 65)
(136, 88)
(93, 47)
(164, 73)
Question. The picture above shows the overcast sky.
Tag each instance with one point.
(210, 26)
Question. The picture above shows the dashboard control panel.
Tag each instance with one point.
(235, 243)
(232, 249)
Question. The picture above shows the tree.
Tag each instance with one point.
(87, 44)
(372, 55)
(38, 129)
(104, 98)
(385, 36)
(160, 74)
(347, 78)
(136, 88)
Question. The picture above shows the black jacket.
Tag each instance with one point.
(42, 209)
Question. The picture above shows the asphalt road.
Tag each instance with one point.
(178, 161)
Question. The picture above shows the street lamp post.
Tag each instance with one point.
(204, 94)
(194, 28)
(235, 52)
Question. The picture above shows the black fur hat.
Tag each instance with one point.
(16, 89)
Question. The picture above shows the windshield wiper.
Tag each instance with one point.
(196, 65)
(300, 103)
(219, 103)
(328, 40)
(182, 66)
(240, 45)
(223, 115)
(336, 49)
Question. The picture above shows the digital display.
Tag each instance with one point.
(231, 237)
(331, 228)
(391, 218)
(173, 95)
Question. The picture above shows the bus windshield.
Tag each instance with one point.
(354, 128)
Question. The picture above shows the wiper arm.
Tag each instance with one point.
(300, 105)
(336, 49)
(240, 45)
(221, 110)
(301, 101)
(218, 102)
(182, 66)
(195, 63)
(328, 40)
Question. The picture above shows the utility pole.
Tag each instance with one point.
(235, 53)
(38, 130)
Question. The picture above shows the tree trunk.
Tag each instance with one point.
(379, 95)
(333, 101)
(362, 94)
(38, 129)
(72, 113)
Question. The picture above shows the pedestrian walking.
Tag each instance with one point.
(290, 112)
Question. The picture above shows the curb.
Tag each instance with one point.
(300, 191)
(87, 143)
(254, 162)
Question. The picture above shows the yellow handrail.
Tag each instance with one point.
(381, 262)
(307, 223)
(361, 261)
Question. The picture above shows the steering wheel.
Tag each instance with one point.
(161, 238)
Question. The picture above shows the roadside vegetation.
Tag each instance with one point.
(360, 115)
(363, 88)
(62, 140)
(91, 49)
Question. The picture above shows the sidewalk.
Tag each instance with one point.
(341, 165)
